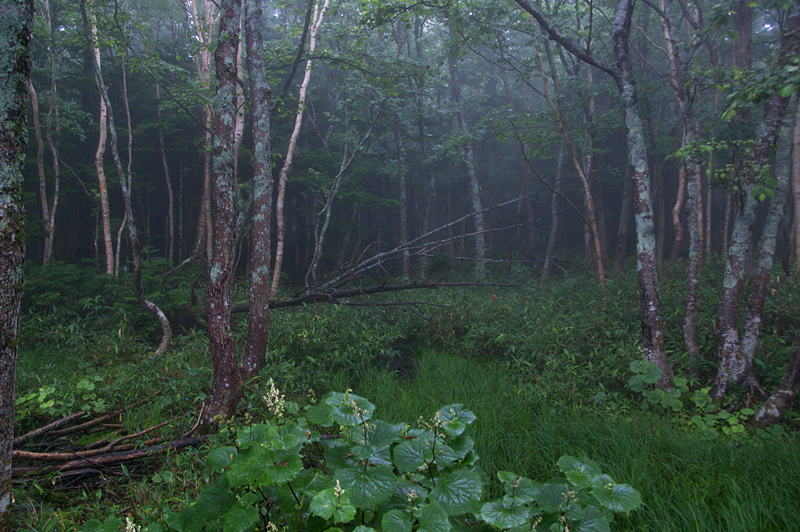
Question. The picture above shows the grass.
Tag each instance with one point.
(688, 483)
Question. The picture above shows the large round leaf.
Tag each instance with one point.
(498, 515)
(458, 492)
(617, 497)
(455, 419)
(396, 521)
(411, 455)
(432, 518)
(367, 487)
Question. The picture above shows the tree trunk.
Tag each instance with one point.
(319, 13)
(796, 186)
(401, 174)
(170, 196)
(733, 367)
(225, 383)
(52, 109)
(624, 221)
(37, 130)
(766, 255)
(255, 351)
(780, 401)
(14, 71)
(166, 332)
(469, 160)
(653, 339)
(551, 237)
(89, 22)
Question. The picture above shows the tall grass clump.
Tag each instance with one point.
(687, 482)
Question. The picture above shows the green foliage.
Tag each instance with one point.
(371, 475)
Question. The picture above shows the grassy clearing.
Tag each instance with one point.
(688, 483)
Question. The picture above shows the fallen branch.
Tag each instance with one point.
(19, 440)
(107, 459)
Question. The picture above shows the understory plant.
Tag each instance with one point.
(339, 468)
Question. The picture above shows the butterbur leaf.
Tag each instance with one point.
(445, 456)
(550, 496)
(327, 505)
(92, 525)
(349, 409)
(455, 419)
(187, 520)
(616, 497)
(221, 457)
(592, 520)
(458, 492)
(362, 528)
(432, 518)
(461, 445)
(320, 414)
(113, 524)
(396, 521)
(368, 487)
(216, 499)
(411, 455)
(498, 515)
(579, 472)
(153, 527)
(650, 373)
(240, 518)
(405, 495)
(520, 490)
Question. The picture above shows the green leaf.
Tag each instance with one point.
(649, 372)
(221, 457)
(461, 445)
(368, 487)
(550, 496)
(349, 409)
(616, 497)
(411, 455)
(187, 520)
(327, 505)
(592, 520)
(432, 518)
(362, 528)
(240, 518)
(579, 472)
(216, 499)
(458, 492)
(396, 521)
(498, 515)
(455, 419)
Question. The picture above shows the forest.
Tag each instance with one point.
(415, 265)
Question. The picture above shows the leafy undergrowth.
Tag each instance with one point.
(545, 367)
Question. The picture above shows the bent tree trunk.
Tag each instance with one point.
(15, 67)
(225, 383)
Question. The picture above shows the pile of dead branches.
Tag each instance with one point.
(52, 451)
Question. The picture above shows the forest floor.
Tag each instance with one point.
(545, 367)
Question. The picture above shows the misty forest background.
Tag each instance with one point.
(442, 202)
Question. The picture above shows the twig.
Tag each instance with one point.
(19, 440)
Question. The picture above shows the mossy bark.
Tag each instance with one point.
(260, 93)
(225, 382)
(15, 39)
